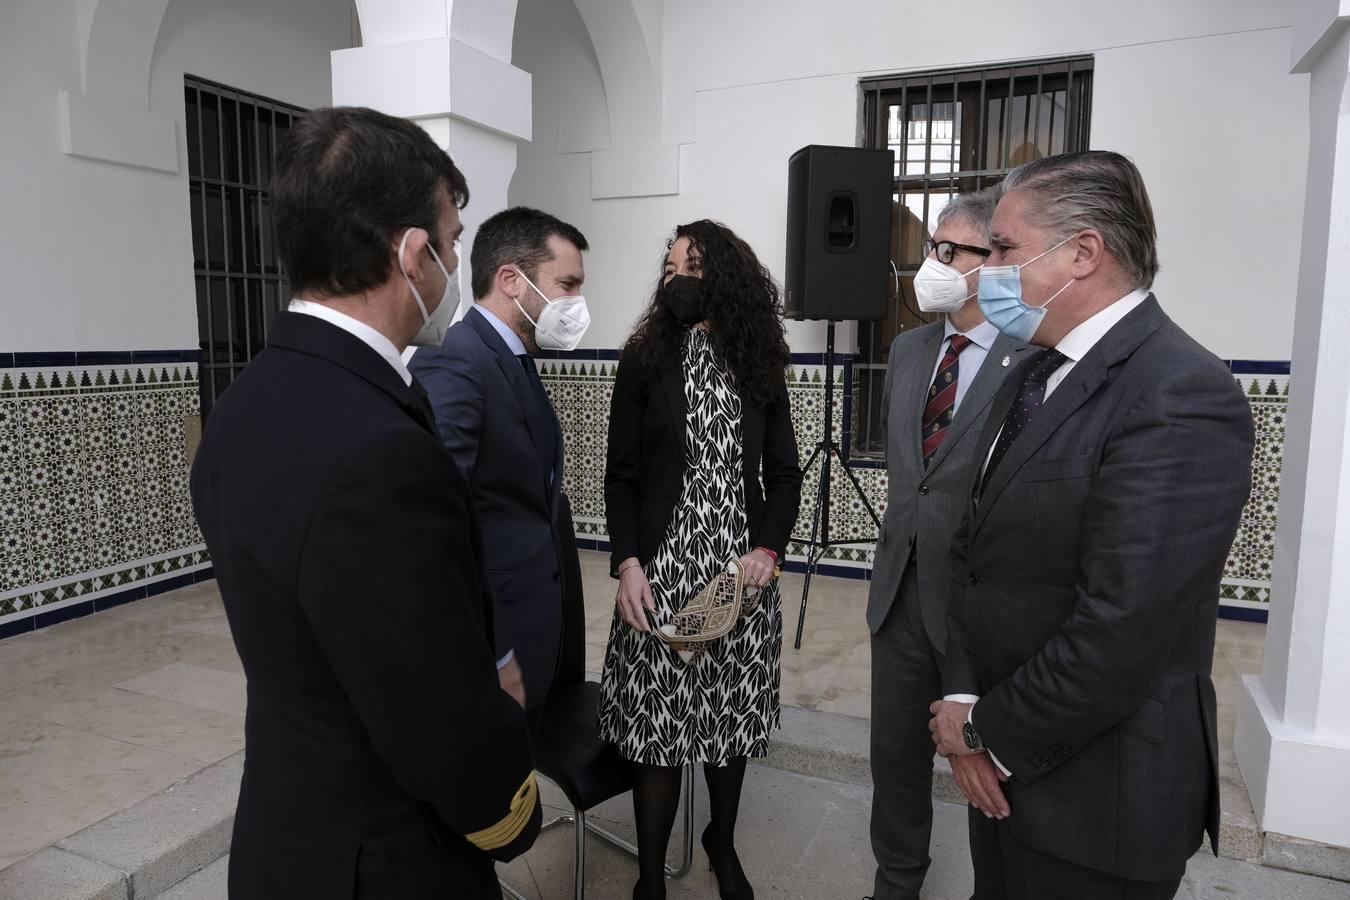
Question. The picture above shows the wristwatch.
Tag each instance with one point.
(972, 737)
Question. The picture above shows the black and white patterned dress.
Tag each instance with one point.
(656, 708)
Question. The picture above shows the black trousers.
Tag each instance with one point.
(906, 679)
(1007, 869)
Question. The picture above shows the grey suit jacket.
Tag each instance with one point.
(924, 507)
(1084, 597)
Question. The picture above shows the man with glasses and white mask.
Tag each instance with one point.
(497, 421)
(939, 384)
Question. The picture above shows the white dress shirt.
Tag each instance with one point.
(982, 337)
(358, 329)
(1074, 345)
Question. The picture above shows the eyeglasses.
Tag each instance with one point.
(946, 250)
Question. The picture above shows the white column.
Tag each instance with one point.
(1293, 729)
(446, 64)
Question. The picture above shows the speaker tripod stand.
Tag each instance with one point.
(826, 450)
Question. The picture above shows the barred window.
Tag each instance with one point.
(954, 131)
(232, 137)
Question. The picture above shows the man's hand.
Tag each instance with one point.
(512, 681)
(949, 718)
(979, 779)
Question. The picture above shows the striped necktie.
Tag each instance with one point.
(941, 406)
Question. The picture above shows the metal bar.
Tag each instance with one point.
(1007, 117)
(225, 227)
(1036, 135)
(979, 136)
(904, 133)
(954, 164)
(243, 238)
(927, 170)
(579, 867)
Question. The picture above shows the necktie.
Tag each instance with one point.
(1029, 399)
(941, 406)
(423, 402)
(544, 409)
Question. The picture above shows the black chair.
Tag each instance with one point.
(568, 750)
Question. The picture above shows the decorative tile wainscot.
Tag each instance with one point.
(580, 384)
(94, 507)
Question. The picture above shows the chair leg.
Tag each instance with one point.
(581, 853)
(687, 842)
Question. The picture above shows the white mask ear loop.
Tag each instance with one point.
(417, 295)
(536, 290)
(1057, 293)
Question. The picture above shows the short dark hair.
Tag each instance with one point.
(345, 181)
(516, 236)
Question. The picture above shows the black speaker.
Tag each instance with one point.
(838, 233)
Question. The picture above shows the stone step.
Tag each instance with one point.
(836, 747)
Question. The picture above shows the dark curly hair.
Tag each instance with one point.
(743, 307)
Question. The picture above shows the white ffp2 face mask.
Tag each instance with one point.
(940, 288)
(437, 322)
(563, 321)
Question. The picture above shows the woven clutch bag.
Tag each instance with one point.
(711, 613)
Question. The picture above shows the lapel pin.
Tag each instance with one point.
(1007, 361)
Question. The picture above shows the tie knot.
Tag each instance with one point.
(959, 342)
(1047, 361)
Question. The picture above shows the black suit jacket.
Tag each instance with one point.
(488, 420)
(348, 557)
(644, 471)
(1085, 598)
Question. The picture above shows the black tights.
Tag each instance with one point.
(656, 799)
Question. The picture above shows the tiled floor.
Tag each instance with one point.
(101, 712)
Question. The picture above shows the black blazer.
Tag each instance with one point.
(1085, 598)
(495, 431)
(644, 471)
(348, 558)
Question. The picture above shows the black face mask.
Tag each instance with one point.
(683, 296)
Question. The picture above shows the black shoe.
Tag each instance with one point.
(649, 890)
(731, 881)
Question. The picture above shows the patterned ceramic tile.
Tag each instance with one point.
(93, 480)
(580, 390)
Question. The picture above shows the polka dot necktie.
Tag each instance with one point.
(1029, 399)
(941, 406)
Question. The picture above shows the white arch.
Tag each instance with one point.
(109, 117)
(626, 37)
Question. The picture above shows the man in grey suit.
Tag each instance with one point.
(939, 383)
(1087, 566)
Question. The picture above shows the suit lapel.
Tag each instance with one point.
(1086, 377)
(515, 376)
(980, 392)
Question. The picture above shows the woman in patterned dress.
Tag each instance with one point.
(702, 469)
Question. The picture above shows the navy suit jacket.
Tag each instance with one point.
(344, 543)
(487, 418)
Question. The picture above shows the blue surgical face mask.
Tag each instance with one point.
(1001, 299)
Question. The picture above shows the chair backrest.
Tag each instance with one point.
(572, 652)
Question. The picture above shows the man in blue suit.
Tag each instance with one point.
(497, 421)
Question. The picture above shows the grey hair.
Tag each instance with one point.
(1093, 189)
(975, 209)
